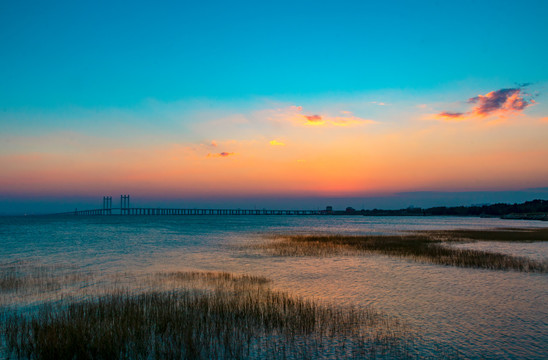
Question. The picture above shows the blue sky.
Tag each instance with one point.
(343, 99)
(101, 54)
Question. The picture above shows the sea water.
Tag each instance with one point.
(481, 313)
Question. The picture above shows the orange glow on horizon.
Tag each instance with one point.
(281, 151)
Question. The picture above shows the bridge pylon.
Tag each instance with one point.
(107, 205)
(124, 205)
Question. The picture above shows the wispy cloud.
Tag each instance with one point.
(451, 115)
(502, 102)
(346, 119)
(297, 116)
(349, 120)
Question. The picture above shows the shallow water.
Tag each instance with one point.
(482, 313)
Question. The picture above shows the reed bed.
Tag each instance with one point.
(235, 317)
(25, 276)
(426, 247)
(18, 276)
(26, 282)
(504, 234)
(217, 279)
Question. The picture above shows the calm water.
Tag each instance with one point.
(482, 313)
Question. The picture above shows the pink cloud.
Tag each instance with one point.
(501, 103)
(221, 154)
(451, 115)
(346, 120)
(313, 118)
(295, 115)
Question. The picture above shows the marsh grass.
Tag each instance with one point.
(18, 276)
(504, 234)
(217, 279)
(237, 317)
(431, 247)
(24, 276)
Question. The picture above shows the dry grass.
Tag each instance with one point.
(239, 317)
(506, 234)
(18, 276)
(213, 278)
(426, 247)
(30, 277)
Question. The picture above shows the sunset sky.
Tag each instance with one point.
(239, 103)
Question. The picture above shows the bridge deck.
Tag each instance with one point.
(168, 211)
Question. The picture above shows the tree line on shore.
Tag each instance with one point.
(499, 209)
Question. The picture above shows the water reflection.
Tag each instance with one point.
(498, 314)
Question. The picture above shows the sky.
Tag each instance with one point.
(292, 104)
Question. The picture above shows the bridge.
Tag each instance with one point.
(125, 209)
